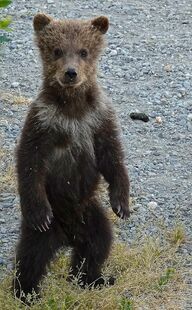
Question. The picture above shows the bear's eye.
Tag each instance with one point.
(83, 53)
(57, 53)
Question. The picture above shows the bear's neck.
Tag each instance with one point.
(73, 102)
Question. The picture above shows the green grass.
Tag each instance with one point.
(148, 276)
(177, 235)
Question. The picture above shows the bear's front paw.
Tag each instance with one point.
(120, 208)
(39, 218)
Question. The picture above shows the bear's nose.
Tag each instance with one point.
(70, 73)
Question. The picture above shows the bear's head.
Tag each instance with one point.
(69, 48)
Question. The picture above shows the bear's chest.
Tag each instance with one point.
(72, 136)
(79, 135)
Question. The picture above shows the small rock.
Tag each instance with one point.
(137, 207)
(2, 221)
(15, 84)
(152, 205)
(168, 68)
(158, 120)
(189, 122)
(113, 53)
(189, 117)
(187, 84)
(50, 1)
(128, 294)
(2, 262)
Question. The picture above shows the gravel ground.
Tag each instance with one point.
(147, 67)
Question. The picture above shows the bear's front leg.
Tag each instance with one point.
(32, 151)
(110, 161)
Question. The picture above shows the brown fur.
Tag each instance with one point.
(69, 139)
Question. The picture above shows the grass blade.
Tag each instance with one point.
(4, 3)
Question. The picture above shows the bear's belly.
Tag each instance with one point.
(72, 177)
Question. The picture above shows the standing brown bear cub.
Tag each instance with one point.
(70, 138)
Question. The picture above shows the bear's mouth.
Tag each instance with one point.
(69, 84)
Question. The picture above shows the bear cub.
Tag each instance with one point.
(70, 138)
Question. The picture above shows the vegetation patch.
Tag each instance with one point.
(177, 235)
(7, 178)
(13, 98)
(148, 276)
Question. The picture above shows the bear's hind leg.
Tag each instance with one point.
(34, 252)
(91, 246)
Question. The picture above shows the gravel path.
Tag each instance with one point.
(147, 67)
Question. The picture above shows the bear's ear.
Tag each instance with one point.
(101, 23)
(40, 21)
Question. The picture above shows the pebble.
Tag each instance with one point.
(2, 262)
(113, 53)
(168, 68)
(15, 84)
(136, 206)
(189, 122)
(152, 205)
(158, 120)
